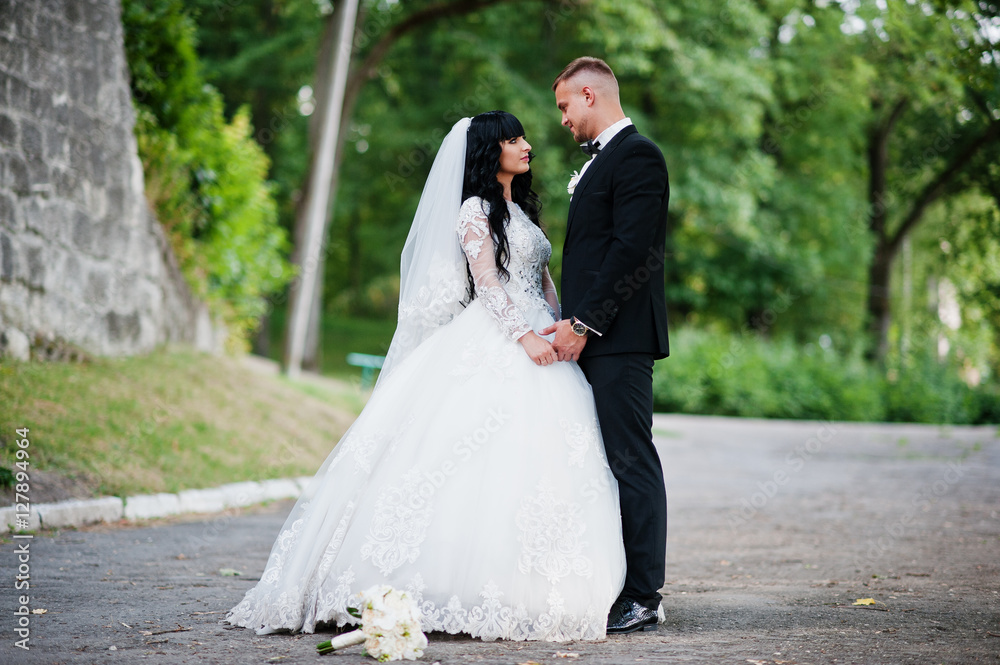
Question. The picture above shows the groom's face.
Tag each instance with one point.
(572, 102)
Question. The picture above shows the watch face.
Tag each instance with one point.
(579, 328)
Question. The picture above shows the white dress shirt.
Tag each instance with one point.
(605, 137)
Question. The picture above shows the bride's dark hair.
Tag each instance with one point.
(482, 164)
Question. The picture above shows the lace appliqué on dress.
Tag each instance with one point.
(495, 620)
(473, 227)
(478, 355)
(268, 611)
(361, 447)
(400, 523)
(551, 537)
(506, 299)
(581, 437)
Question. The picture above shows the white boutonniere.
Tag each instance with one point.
(571, 187)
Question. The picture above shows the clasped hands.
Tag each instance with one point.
(567, 345)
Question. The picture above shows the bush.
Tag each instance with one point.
(745, 375)
(922, 389)
(206, 178)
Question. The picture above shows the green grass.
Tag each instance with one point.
(340, 335)
(168, 421)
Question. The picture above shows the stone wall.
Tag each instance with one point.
(83, 262)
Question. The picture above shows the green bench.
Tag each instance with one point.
(368, 364)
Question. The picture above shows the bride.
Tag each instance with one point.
(475, 478)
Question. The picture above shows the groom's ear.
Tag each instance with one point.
(589, 97)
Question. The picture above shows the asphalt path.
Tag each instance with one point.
(776, 530)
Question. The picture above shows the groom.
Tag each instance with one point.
(616, 313)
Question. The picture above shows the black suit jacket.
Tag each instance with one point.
(612, 266)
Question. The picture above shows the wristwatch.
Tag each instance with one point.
(578, 328)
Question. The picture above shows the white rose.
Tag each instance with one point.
(400, 647)
(396, 603)
(373, 646)
(385, 621)
(418, 641)
(391, 623)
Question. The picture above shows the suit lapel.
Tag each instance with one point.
(603, 157)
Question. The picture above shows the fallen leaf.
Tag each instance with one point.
(864, 601)
(229, 572)
(39, 610)
(124, 624)
(565, 654)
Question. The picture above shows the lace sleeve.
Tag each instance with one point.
(551, 297)
(477, 243)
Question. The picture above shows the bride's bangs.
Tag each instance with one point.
(510, 127)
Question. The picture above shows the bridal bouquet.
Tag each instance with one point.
(390, 626)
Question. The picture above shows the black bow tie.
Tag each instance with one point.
(590, 148)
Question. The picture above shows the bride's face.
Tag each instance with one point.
(514, 156)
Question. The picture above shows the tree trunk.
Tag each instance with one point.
(879, 273)
(879, 312)
(311, 355)
(365, 70)
(887, 245)
(261, 344)
(317, 198)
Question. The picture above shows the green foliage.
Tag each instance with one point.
(7, 479)
(341, 334)
(746, 375)
(206, 178)
(929, 391)
(259, 55)
(763, 110)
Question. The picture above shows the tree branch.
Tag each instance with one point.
(366, 69)
(878, 165)
(936, 187)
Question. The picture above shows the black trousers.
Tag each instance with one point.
(623, 391)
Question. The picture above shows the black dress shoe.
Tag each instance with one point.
(628, 616)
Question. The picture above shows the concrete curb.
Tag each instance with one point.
(83, 512)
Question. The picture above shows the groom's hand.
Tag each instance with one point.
(568, 345)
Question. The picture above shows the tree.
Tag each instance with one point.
(933, 108)
(205, 176)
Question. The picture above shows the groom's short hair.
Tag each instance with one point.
(584, 64)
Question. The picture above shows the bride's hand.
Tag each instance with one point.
(538, 349)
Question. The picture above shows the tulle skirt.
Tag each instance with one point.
(476, 481)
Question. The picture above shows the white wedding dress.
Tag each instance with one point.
(473, 479)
